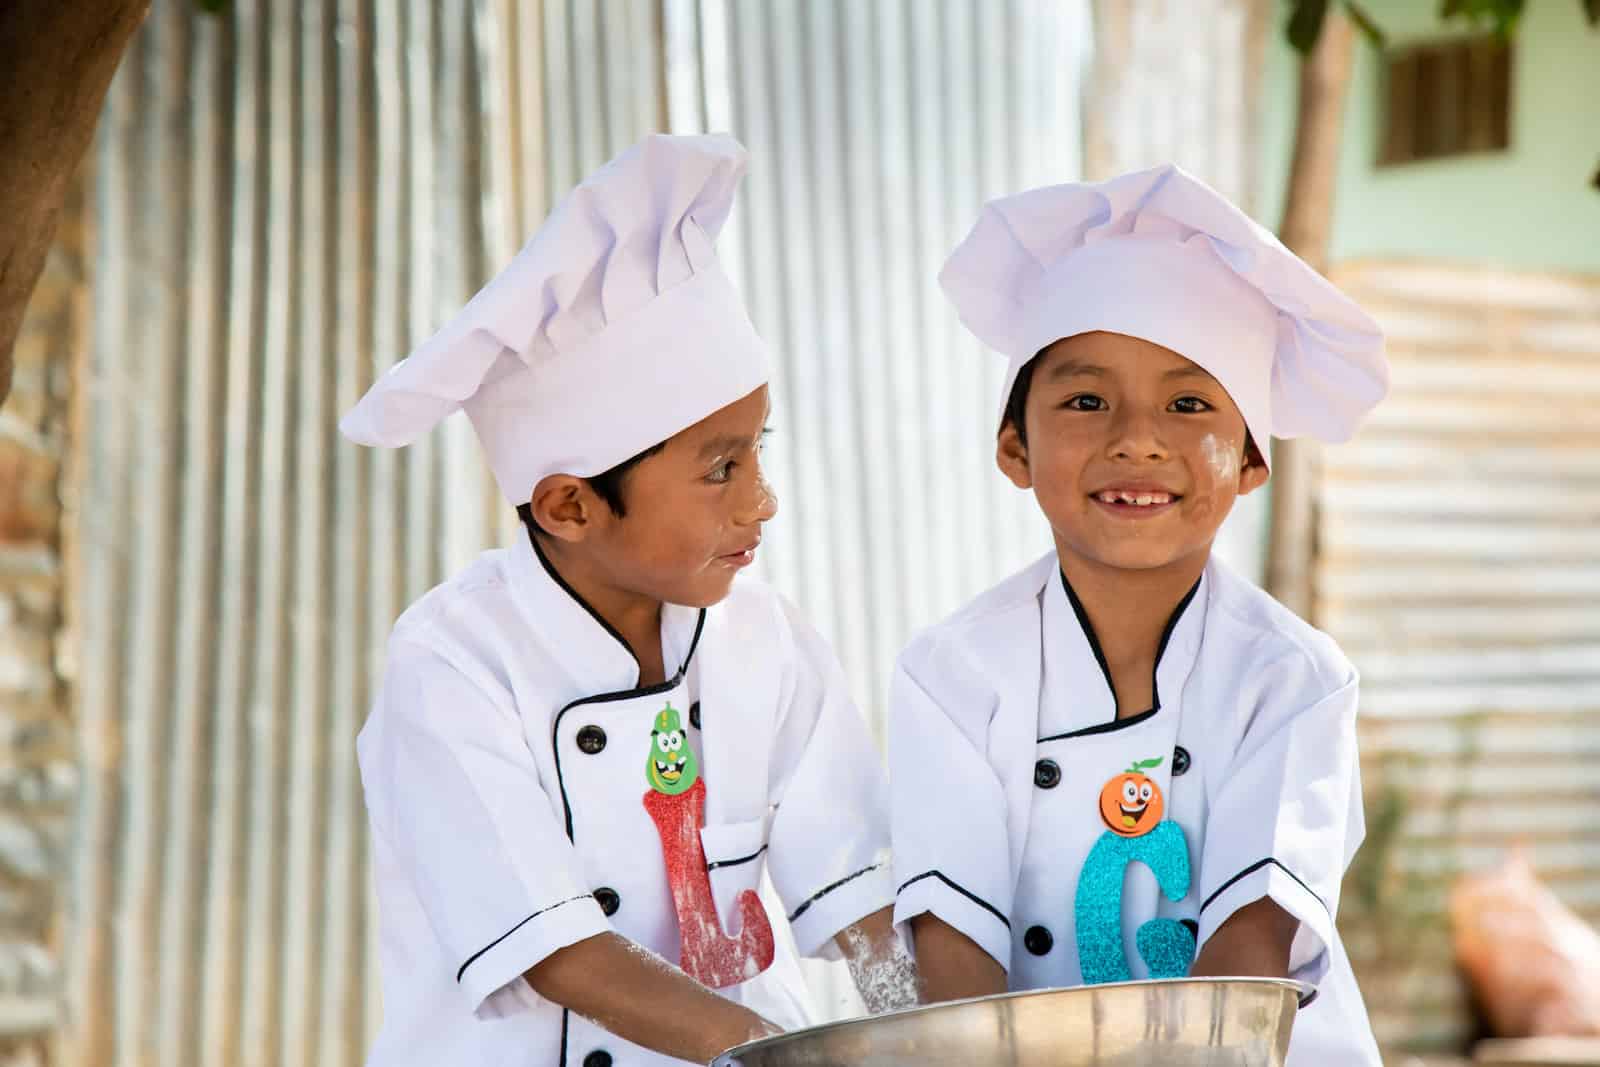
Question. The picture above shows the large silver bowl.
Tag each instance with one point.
(1190, 1022)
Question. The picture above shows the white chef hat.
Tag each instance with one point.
(614, 327)
(1159, 255)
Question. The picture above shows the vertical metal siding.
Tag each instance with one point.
(1458, 568)
(285, 198)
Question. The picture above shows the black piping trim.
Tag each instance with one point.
(550, 907)
(825, 890)
(984, 904)
(1305, 1001)
(608, 698)
(735, 863)
(1252, 869)
(1102, 727)
(564, 1014)
(1105, 669)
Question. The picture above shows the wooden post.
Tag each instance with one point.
(59, 56)
(1306, 229)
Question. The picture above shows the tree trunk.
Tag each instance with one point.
(59, 56)
(1306, 228)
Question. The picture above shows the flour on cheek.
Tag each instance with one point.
(1221, 457)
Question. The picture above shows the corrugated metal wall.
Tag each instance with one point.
(1459, 567)
(283, 197)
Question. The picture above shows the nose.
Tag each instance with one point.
(1136, 435)
(760, 503)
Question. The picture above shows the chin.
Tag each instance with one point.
(707, 591)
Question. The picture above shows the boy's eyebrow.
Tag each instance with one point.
(728, 442)
(1071, 368)
(1187, 372)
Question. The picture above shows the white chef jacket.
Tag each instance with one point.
(1003, 728)
(504, 770)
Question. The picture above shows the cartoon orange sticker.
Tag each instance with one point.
(1131, 803)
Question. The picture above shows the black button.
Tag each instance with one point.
(591, 739)
(1180, 761)
(598, 1058)
(608, 900)
(694, 715)
(1038, 941)
(1046, 775)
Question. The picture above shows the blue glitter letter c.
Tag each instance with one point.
(1166, 945)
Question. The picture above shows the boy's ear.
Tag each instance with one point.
(564, 507)
(1253, 475)
(1011, 456)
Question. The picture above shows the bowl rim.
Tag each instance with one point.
(1300, 989)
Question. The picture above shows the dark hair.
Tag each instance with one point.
(1017, 402)
(1017, 409)
(607, 485)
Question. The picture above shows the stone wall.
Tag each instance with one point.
(37, 769)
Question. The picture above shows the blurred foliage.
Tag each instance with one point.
(1307, 16)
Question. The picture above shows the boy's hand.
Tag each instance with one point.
(638, 996)
(952, 965)
(1253, 942)
(880, 962)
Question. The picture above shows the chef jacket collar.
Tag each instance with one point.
(1073, 646)
(591, 651)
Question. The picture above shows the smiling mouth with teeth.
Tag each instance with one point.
(671, 772)
(1138, 500)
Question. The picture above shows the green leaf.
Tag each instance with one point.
(1370, 29)
(1146, 764)
(1305, 24)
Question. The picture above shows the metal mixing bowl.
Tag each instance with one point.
(1190, 1022)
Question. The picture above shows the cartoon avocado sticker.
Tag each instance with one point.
(671, 768)
(1131, 804)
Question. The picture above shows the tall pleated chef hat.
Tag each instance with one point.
(614, 328)
(1159, 255)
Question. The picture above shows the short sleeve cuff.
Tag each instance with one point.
(836, 905)
(1309, 956)
(978, 919)
(485, 975)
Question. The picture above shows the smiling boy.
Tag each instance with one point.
(1127, 761)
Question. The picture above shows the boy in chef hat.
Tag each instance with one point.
(1128, 761)
(588, 747)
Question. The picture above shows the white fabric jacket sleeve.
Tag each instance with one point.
(452, 785)
(1286, 817)
(948, 810)
(827, 852)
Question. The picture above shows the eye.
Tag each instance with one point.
(662, 743)
(1130, 792)
(721, 473)
(677, 742)
(1145, 792)
(1085, 402)
(1191, 405)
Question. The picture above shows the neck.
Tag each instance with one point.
(1129, 610)
(631, 615)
